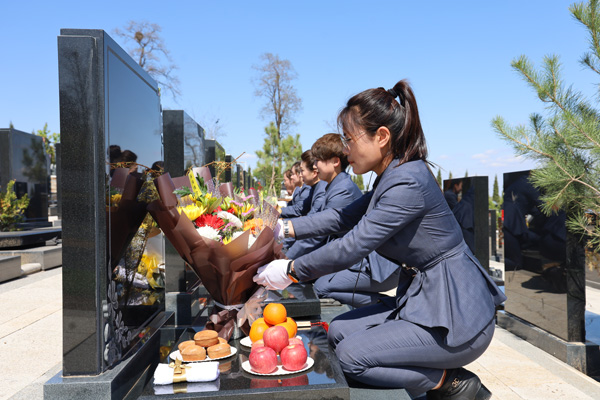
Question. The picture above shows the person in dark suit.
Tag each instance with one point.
(301, 198)
(340, 191)
(451, 194)
(288, 185)
(443, 315)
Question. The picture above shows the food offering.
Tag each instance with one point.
(275, 350)
(206, 346)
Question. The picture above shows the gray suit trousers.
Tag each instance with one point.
(354, 288)
(398, 353)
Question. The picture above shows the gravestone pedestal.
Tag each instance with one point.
(299, 300)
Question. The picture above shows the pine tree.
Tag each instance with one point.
(496, 195)
(358, 179)
(566, 142)
(467, 173)
(276, 156)
(439, 178)
(450, 175)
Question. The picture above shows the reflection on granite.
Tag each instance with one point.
(299, 299)
(544, 266)
(323, 381)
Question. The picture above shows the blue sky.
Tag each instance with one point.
(456, 55)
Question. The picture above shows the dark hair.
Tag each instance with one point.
(288, 174)
(328, 146)
(374, 108)
(296, 167)
(308, 158)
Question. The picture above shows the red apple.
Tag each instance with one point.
(258, 343)
(296, 340)
(276, 337)
(264, 383)
(301, 380)
(263, 360)
(293, 357)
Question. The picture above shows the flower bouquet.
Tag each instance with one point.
(224, 236)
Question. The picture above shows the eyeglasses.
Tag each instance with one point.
(346, 141)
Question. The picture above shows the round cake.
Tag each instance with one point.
(185, 344)
(221, 340)
(193, 353)
(219, 350)
(206, 338)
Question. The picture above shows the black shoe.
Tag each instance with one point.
(460, 384)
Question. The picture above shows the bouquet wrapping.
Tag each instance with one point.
(225, 265)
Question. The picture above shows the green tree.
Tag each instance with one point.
(274, 84)
(149, 50)
(450, 175)
(496, 198)
(50, 140)
(467, 173)
(439, 178)
(566, 142)
(358, 179)
(12, 209)
(276, 156)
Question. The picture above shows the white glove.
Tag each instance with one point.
(278, 230)
(273, 275)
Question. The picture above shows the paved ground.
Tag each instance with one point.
(31, 348)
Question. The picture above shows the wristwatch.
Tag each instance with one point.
(286, 228)
(291, 273)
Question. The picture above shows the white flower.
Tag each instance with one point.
(230, 218)
(251, 238)
(209, 233)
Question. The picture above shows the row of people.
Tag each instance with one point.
(328, 186)
(442, 317)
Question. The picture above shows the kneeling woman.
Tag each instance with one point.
(443, 314)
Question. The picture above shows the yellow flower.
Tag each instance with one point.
(192, 211)
(254, 225)
(115, 199)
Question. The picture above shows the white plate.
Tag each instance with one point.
(280, 371)
(246, 342)
(176, 354)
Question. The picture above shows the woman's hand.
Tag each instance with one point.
(273, 275)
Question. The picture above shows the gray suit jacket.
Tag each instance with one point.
(339, 193)
(406, 220)
(301, 199)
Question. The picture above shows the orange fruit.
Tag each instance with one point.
(274, 313)
(257, 329)
(290, 326)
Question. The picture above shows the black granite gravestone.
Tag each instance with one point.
(24, 159)
(109, 112)
(238, 176)
(468, 200)
(544, 277)
(213, 152)
(183, 148)
(228, 174)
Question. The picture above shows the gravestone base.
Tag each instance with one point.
(47, 256)
(10, 267)
(187, 306)
(299, 299)
(584, 357)
(124, 381)
(34, 237)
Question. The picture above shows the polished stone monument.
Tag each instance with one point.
(109, 113)
(468, 199)
(183, 147)
(24, 159)
(544, 278)
(213, 151)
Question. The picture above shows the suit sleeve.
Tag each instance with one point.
(331, 221)
(300, 206)
(397, 207)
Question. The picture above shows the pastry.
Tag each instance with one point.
(219, 350)
(193, 353)
(206, 338)
(185, 344)
(221, 340)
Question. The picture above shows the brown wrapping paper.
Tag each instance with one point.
(225, 270)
